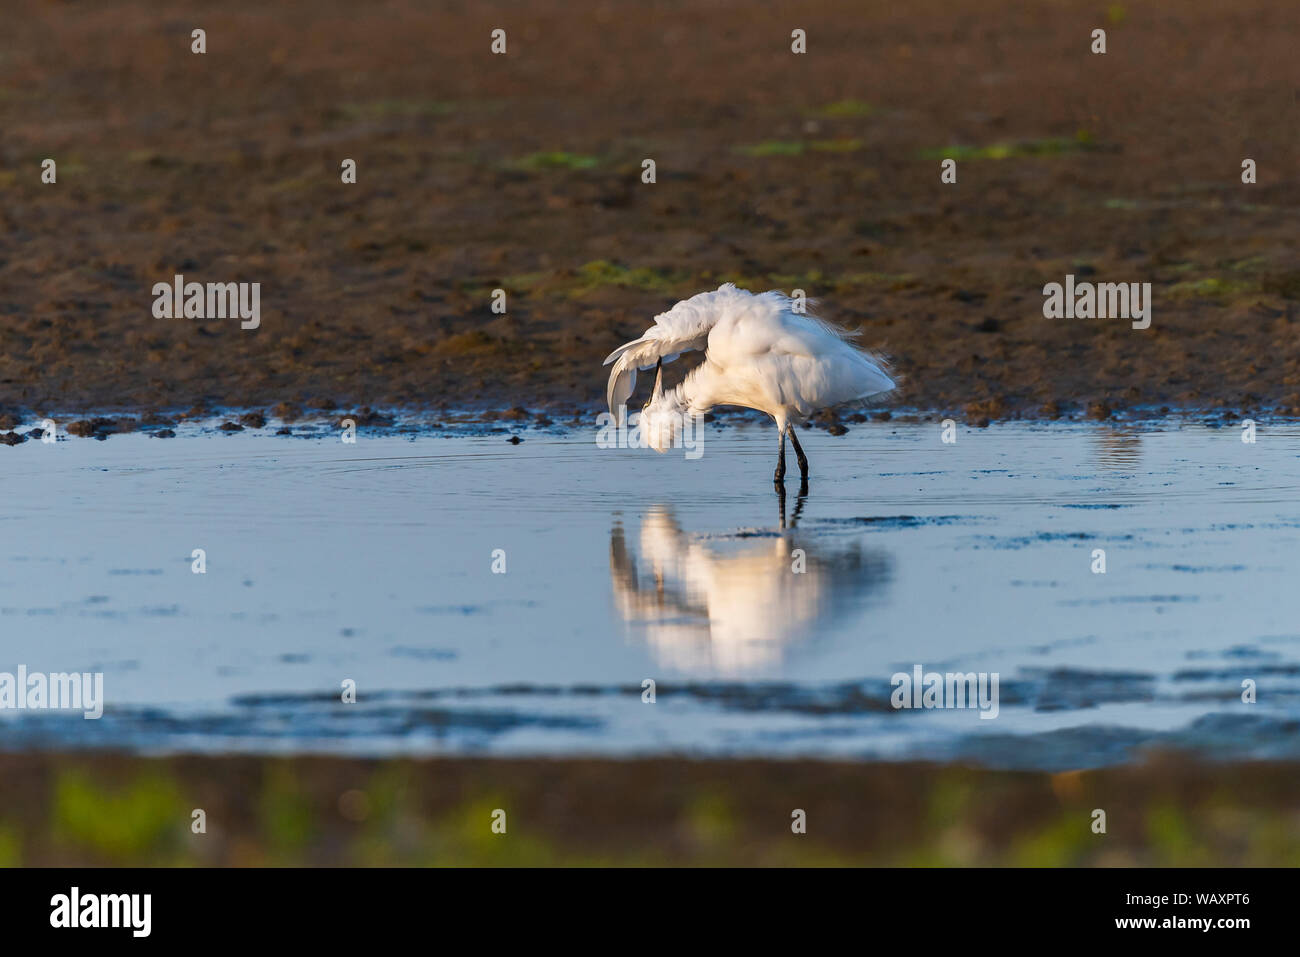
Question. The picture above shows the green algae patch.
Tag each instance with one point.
(556, 159)
(844, 108)
(1051, 146)
(799, 147)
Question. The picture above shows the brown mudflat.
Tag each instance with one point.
(523, 172)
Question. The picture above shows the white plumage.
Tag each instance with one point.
(759, 353)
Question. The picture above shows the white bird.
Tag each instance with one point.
(758, 353)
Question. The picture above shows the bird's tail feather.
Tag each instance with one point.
(879, 378)
(622, 383)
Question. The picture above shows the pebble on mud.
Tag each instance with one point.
(992, 408)
(829, 420)
(83, 428)
(365, 416)
(100, 427)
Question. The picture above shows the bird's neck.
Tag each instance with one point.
(701, 390)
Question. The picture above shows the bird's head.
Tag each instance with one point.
(661, 418)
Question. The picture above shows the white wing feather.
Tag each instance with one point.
(683, 328)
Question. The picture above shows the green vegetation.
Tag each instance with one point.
(1055, 146)
(142, 823)
(268, 812)
(1060, 843)
(843, 108)
(473, 342)
(287, 816)
(556, 159)
(11, 848)
(601, 272)
(799, 147)
(1212, 287)
(590, 276)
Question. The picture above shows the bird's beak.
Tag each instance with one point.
(659, 382)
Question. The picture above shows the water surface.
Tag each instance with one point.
(374, 562)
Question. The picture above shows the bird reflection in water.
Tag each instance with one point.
(729, 604)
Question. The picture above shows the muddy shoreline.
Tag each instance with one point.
(517, 423)
(522, 173)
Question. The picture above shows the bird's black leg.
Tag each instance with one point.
(780, 462)
(798, 452)
(798, 503)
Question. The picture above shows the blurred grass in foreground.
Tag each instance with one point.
(98, 809)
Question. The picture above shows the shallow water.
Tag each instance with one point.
(374, 562)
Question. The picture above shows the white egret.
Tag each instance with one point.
(758, 353)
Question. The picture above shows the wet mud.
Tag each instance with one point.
(523, 173)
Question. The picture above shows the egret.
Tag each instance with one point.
(758, 353)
